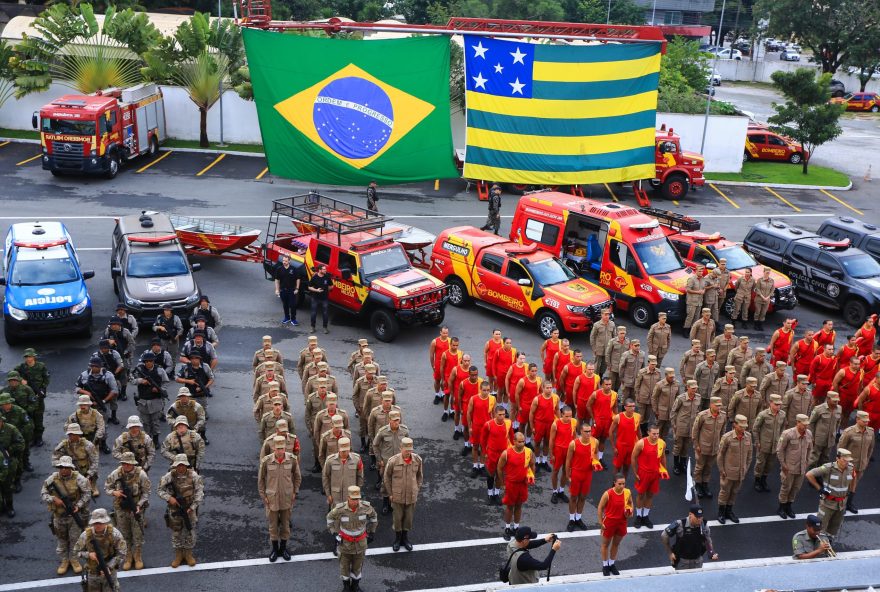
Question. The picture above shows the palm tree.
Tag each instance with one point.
(7, 78)
(201, 77)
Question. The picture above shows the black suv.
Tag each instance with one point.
(831, 273)
(861, 235)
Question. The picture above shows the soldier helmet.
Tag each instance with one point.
(180, 459)
(6, 399)
(148, 357)
(66, 462)
(13, 375)
(337, 421)
(344, 444)
(387, 395)
(183, 392)
(115, 321)
(74, 428)
(844, 453)
(120, 306)
(281, 425)
(332, 398)
(181, 419)
(323, 365)
(155, 341)
(201, 317)
(29, 353)
(128, 459)
(95, 361)
(200, 333)
(354, 492)
(134, 422)
(362, 342)
(394, 414)
(84, 400)
(279, 442)
(406, 443)
(801, 418)
(267, 338)
(775, 398)
(742, 421)
(194, 354)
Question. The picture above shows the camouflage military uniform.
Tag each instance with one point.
(130, 524)
(186, 487)
(37, 378)
(11, 447)
(78, 490)
(18, 417)
(113, 548)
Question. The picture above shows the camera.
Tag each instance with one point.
(553, 538)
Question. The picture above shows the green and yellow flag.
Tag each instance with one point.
(346, 112)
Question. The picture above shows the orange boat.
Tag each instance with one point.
(211, 236)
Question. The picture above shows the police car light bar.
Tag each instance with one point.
(152, 240)
(843, 244)
(41, 245)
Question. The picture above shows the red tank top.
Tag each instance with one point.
(561, 361)
(617, 504)
(546, 411)
(550, 349)
(441, 346)
(564, 434)
(586, 387)
(869, 368)
(823, 368)
(582, 457)
(516, 372)
(782, 346)
(498, 437)
(871, 404)
(452, 361)
(627, 431)
(602, 406)
(823, 338)
(804, 355)
(529, 392)
(482, 409)
(574, 370)
(865, 340)
(649, 459)
(468, 391)
(492, 348)
(503, 361)
(517, 467)
(843, 356)
(850, 385)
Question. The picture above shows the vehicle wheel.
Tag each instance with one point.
(113, 168)
(385, 327)
(837, 94)
(855, 312)
(746, 156)
(641, 313)
(519, 187)
(86, 333)
(439, 320)
(875, 108)
(154, 146)
(458, 294)
(57, 174)
(11, 338)
(675, 187)
(795, 158)
(547, 321)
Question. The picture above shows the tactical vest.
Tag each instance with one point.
(168, 324)
(103, 542)
(98, 385)
(185, 486)
(191, 373)
(184, 445)
(137, 446)
(109, 361)
(88, 421)
(120, 339)
(208, 313)
(691, 544)
(69, 488)
(132, 479)
(145, 391)
(80, 455)
(188, 411)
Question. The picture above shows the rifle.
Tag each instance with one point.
(68, 505)
(127, 503)
(102, 564)
(182, 507)
(99, 402)
(202, 386)
(143, 374)
(182, 450)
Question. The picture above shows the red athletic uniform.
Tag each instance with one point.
(516, 372)
(603, 413)
(649, 467)
(493, 347)
(823, 338)
(544, 416)
(617, 510)
(574, 370)
(496, 439)
(871, 404)
(456, 378)
(627, 434)
(482, 416)
(803, 356)
(869, 368)
(564, 435)
(529, 392)
(822, 371)
(451, 361)
(561, 360)
(586, 387)
(781, 347)
(550, 349)
(441, 346)
(502, 362)
(516, 476)
(469, 390)
(845, 354)
(865, 338)
(583, 462)
(849, 388)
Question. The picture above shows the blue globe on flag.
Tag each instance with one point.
(353, 117)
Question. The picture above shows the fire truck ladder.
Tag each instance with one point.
(672, 219)
(313, 212)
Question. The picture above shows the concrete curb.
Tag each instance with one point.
(780, 185)
(20, 140)
(196, 150)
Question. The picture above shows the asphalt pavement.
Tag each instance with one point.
(457, 536)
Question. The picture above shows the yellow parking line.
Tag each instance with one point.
(783, 200)
(614, 197)
(262, 174)
(675, 202)
(843, 203)
(210, 166)
(27, 160)
(146, 166)
(721, 193)
(3, 144)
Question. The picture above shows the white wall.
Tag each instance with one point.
(761, 70)
(725, 138)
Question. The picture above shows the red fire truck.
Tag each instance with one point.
(676, 170)
(95, 133)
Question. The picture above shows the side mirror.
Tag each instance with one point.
(836, 274)
(116, 271)
(537, 293)
(87, 275)
(196, 266)
(346, 273)
(35, 119)
(524, 282)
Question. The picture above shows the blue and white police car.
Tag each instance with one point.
(45, 291)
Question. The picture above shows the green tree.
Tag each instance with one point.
(623, 12)
(864, 57)
(806, 115)
(7, 74)
(531, 10)
(684, 63)
(829, 28)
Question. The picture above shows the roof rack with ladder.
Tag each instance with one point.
(313, 212)
(673, 219)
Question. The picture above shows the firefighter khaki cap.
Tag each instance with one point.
(751, 380)
(83, 400)
(844, 453)
(834, 396)
(381, 378)
(74, 428)
(344, 444)
(394, 414)
(317, 350)
(705, 310)
(183, 392)
(728, 326)
(652, 358)
(715, 400)
(337, 421)
(695, 342)
(272, 385)
(710, 351)
(781, 364)
(692, 383)
(278, 400)
(279, 441)
(313, 339)
(861, 415)
(742, 421)
(802, 378)
(321, 381)
(354, 492)
(760, 350)
(128, 459)
(669, 371)
(65, 461)
(181, 419)
(362, 342)
(332, 398)
(281, 425)
(660, 315)
(775, 399)
(730, 368)
(406, 443)
(180, 459)
(133, 422)
(99, 516)
(369, 367)
(744, 338)
(387, 396)
(267, 339)
(635, 342)
(801, 418)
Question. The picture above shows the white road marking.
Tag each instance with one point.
(450, 545)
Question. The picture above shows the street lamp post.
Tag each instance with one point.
(711, 74)
(219, 14)
(608, 18)
(653, 12)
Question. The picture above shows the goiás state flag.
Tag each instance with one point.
(560, 114)
(347, 112)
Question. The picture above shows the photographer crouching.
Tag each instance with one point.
(523, 567)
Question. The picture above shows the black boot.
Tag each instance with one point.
(676, 465)
(706, 491)
(372, 461)
(113, 418)
(38, 440)
(764, 486)
(395, 546)
(355, 584)
(316, 468)
(346, 585)
(850, 503)
(406, 544)
(722, 514)
(10, 511)
(28, 466)
(364, 447)
(204, 435)
(386, 505)
(283, 549)
(780, 511)
(273, 556)
(17, 487)
(731, 516)
(699, 487)
(103, 446)
(789, 512)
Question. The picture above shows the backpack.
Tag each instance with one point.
(504, 570)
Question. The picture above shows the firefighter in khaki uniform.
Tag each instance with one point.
(646, 380)
(614, 350)
(757, 367)
(659, 338)
(182, 488)
(776, 383)
(278, 483)
(353, 522)
(703, 330)
(833, 480)
(824, 423)
(323, 372)
(602, 332)
(631, 362)
(695, 288)
(341, 471)
(379, 418)
(689, 361)
(742, 298)
(746, 401)
(662, 398)
(740, 355)
(271, 419)
(706, 373)
(797, 401)
(281, 429)
(103, 535)
(386, 444)
(766, 429)
(764, 288)
(724, 344)
(734, 460)
(267, 352)
(128, 476)
(77, 490)
(859, 439)
(330, 439)
(706, 434)
(403, 478)
(726, 386)
(793, 451)
(684, 411)
(359, 392)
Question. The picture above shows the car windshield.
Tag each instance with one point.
(40, 272)
(384, 261)
(161, 264)
(66, 126)
(861, 266)
(549, 272)
(737, 257)
(658, 256)
(848, 96)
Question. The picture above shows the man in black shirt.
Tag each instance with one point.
(692, 541)
(523, 567)
(493, 221)
(287, 284)
(319, 292)
(372, 197)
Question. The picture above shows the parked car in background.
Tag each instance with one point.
(762, 144)
(729, 54)
(790, 55)
(860, 101)
(772, 44)
(837, 88)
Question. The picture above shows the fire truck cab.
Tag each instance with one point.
(622, 249)
(676, 170)
(96, 133)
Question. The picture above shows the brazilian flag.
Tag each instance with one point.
(347, 112)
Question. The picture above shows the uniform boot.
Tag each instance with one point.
(397, 539)
(62, 569)
(850, 503)
(706, 491)
(731, 516)
(346, 585)
(781, 511)
(113, 418)
(722, 514)
(364, 447)
(285, 554)
(788, 510)
(178, 558)
(75, 565)
(273, 556)
(10, 511)
(139, 558)
(189, 557)
(699, 488)
(204, 434)
(103, 446)
(758, 486)
(126, 565)
(17, 487)
(406, 544)
(386, 505)
(764, 484)
(355, 584)
(95, 492)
